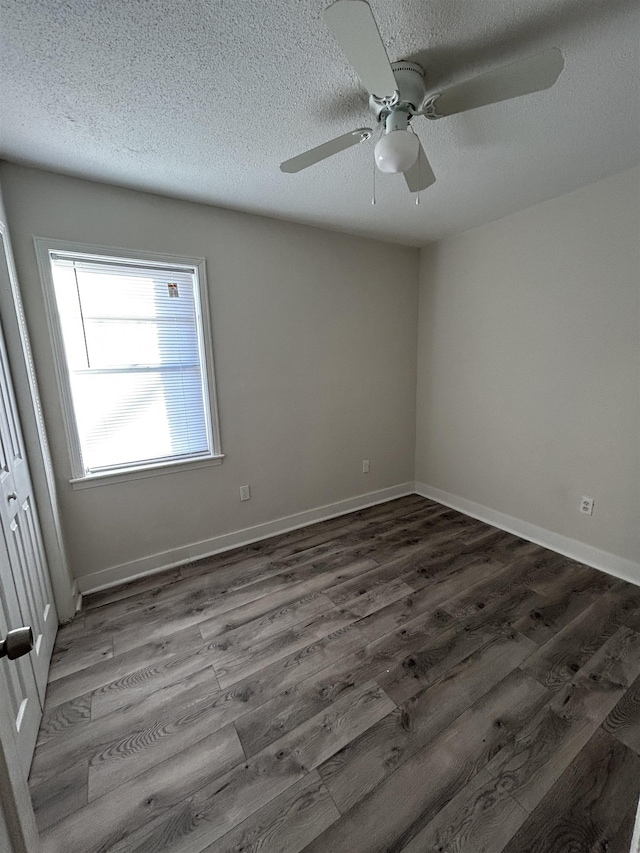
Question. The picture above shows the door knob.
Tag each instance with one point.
(17, 643)
(12, 497)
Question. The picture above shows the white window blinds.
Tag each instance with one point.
(134, 347)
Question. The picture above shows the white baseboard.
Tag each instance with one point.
(611, 563)
(620, 567)
(154, 563)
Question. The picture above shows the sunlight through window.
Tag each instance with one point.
(133, 343)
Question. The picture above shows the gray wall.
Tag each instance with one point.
(529, 365)
(314, 338)
(528, 389)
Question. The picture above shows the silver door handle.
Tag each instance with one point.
(17, 643)
(12, 497)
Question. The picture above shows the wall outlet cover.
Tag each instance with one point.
(586, 505)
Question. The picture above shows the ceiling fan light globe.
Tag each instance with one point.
(396, 151)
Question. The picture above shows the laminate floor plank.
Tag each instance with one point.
(552, 573)
(74, 628)
(203, 596)
(157, 581)
(147, 746)
(218, 808)
(242, 567)
(490, 590)
(623, 721)
(555, 609)
(239, 560)
(306, 697)
(65, 794)
(72, 653)
(280, 552)
(369, 601)
(60, 718)
(137, 685)
(85, 736)
(118, 667)
(403, 678)
(426, 598)
(247, 637)
(233, 575)
(192, 591)
(481, 818)
(300, 701)
(424, 665)
(562, 656)
(286, 824)
(148, 795)
(306, 537)
(120, 746)
(531, 765)
(400, 545)
(364, 762)
(427, 663)
(365, 583)
(247, 661)
(126, 636)
(405, 802)
(214, 591)
(586, 807)
(282, 599)
(569, 578)
(150, 728)
(629, 597)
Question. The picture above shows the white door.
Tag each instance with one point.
(18, 831)
(21, 702)
(25, 587)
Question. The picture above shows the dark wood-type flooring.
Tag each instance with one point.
(403, 678)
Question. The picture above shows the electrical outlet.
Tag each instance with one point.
(365, 466)
(586, 505)
(245, 493)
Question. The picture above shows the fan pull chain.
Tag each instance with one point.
(373, 195)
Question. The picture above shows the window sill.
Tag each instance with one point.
(113, 477)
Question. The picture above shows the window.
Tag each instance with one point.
(134, 364)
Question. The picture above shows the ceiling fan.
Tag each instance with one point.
(398, 93)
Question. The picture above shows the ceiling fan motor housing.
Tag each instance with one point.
(411, 87)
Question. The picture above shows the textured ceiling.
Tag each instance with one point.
(202, 100)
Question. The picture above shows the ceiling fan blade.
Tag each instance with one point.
(327, 149)
(420, 175)
(355, 29)
(520, 78)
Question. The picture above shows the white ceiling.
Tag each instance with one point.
(202, 99)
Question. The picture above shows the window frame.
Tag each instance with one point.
(79, 477)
